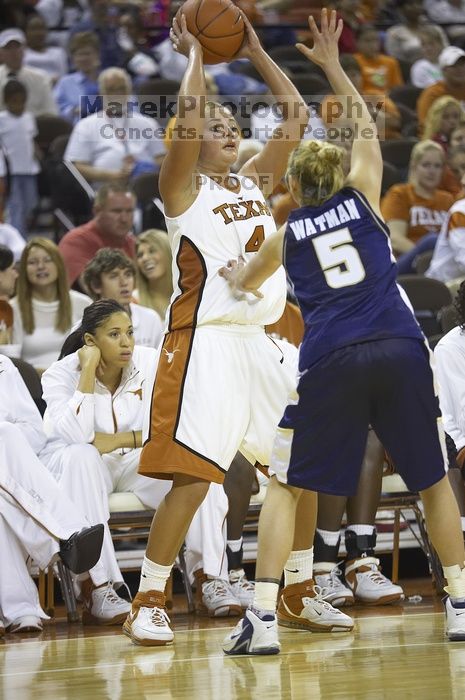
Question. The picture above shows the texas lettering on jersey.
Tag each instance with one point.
(241, 211)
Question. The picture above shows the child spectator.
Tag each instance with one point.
(443, 117)
(112, 275)
(17, 133)
(426, 70)
(380, 73)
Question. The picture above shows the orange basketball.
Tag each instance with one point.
(217, 24)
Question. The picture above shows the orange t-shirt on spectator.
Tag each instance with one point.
(423, 216)
(380, 74)
(434, 92)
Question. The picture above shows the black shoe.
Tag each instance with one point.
(82, 550)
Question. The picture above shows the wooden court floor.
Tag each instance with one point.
(395, 652)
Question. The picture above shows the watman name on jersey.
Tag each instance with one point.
(345, 211)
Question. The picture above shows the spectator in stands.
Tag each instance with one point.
(102, 22)
(448, 261)
(112, 275)
(154, 277)
(18, 131)
(140, 62)
(37, 519)
(426, 70)
(457, 137)
(448, 12)
(353, 16)
(383, 110)
(452, 64)
(415, 211)
(84, 48)
(51, 59)
(443, 117)
(454, 171)
(44, 308)
(116, 143)
(111, 227)
(37, 83)
(380, 73)
(97, 395)
(50, 10)
(8, 277)
(404, 40)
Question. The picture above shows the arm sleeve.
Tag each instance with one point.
(394, 205)
(396, 74)
(450, 373)
(20, 408)
(70, 414)
(48, 105)
(75, 255)
(65, 105)
(79, 145)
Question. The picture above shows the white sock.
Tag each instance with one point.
(329, 537)
(299, 567)
(455, 581)
(265, 596)
(234, 545)
(462, 520)
(362, 529)
(153, 577)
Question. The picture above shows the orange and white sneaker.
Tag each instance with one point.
(147, 623)
(302, 606)
(369, 585)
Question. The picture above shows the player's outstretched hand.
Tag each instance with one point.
(251, 45)
(181, 38)
(232, 273)
(325, 49)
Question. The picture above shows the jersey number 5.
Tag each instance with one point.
(339, 259)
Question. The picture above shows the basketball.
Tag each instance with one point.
(217, 24)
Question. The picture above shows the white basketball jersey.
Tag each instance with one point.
(219, 226)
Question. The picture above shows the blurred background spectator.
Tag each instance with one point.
(84, 49)
(38, 54)
(426, 70)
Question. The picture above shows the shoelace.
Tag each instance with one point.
(159, 617)
(375, 574)
(216, 587)
(334, 576)
(320, 592)
(243, 582)
(111, 596)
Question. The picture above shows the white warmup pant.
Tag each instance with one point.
(88, 478)
(34, 515)
(206, 537)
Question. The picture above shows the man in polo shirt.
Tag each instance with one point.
(111, 227)
(37, 83)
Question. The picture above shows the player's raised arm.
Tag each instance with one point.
(366, 161)
(271, 162)
(248, 277)
(176, 173)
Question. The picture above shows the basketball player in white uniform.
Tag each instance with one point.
(221, 382)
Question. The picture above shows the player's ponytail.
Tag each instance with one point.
(318, 168)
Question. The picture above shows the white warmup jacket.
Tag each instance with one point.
(71, 420)
(449, 355)
(34, 512)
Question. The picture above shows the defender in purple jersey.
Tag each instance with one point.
(363, 359)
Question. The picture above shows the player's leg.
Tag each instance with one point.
(238, 486)
(362, 572)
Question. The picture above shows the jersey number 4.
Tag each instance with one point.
(339, 258)
(255, 240)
